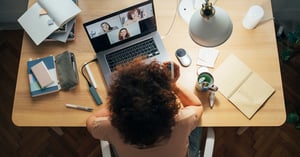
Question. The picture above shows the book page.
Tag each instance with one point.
(63, 37)
(230, 75)
(36, 25)
(61, 11)
(251, 95)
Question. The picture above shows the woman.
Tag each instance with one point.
(148, 114)
(134, 15)
(123, 34)
(106, 27)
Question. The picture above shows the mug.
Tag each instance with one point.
(205, 81)
(253, 16)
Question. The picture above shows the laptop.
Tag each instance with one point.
(121, 36)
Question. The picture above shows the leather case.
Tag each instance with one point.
(66, 69)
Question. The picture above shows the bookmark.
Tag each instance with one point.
(43, 12)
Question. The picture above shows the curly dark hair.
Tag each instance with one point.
(142, 103)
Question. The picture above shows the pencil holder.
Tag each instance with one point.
(66, 70)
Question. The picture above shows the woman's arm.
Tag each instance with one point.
(186, 98)
(102, 112)
(95, 118)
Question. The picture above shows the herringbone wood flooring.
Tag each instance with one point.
(16, 141)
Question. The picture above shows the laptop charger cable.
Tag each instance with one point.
(92, 89)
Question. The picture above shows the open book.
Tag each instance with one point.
(46, 16)
(243, 87)
(68, 32)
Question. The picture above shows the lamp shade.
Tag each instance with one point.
(210, 32)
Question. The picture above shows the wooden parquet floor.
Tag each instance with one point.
(283, 141)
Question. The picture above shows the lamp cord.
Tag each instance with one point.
(173, 21)
(174, 17)
(215, 2)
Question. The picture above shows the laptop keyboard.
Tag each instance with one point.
(145, 48)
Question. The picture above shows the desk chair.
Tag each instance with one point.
(208, 149)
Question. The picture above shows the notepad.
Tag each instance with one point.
(42, 74)
(241, 86)
(207, 57)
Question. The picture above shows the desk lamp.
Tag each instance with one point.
(209, 26)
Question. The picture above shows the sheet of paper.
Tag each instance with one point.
(62, 11)
(207, 57)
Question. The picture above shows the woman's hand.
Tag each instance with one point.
(174, 70)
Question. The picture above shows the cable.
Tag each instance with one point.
(174, 17)
(215, 2)
(83, 72)
(92, 89)
(173, 20)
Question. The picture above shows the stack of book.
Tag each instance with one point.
(50, 20)
(42, 76)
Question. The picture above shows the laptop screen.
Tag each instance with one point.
(122, 26)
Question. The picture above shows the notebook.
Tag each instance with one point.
(116, 37)
(35, 89)
(242, 86)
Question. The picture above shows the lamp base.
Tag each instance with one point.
(187, 8)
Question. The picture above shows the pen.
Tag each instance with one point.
(73, 62)
(79, 107)
(212, 99)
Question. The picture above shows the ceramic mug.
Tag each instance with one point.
(205, 81)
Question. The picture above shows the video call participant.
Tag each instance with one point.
(106, 27)
(134, 15)
(123, 34)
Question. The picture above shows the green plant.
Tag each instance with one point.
(289, 44)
